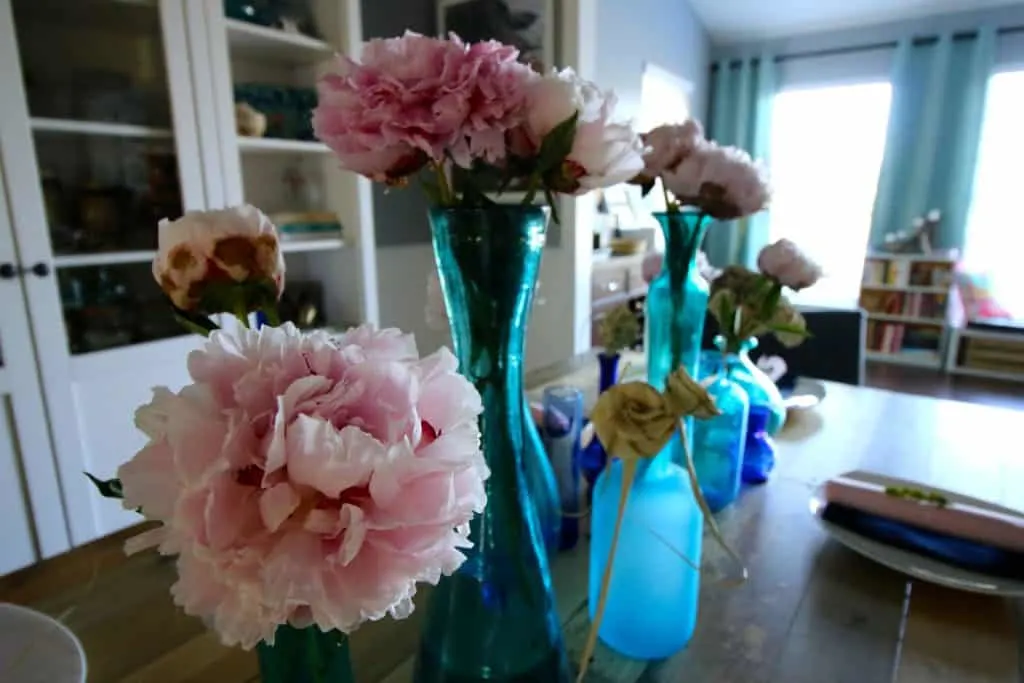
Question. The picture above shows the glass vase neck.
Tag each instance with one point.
(684, 232)
(741, 348)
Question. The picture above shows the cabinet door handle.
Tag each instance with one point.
(8, 271)
(39, 269)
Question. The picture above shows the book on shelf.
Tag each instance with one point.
(885, 337)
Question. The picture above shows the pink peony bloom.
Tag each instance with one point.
(604, 153)
(236, 245)
(414, 99)
(306, 479)
(669, 145)
(786, 263)
(723, 181)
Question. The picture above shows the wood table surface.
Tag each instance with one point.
(812, 611)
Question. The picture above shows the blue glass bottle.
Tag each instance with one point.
(759, 450)
(652, 598)
(593, 458)
(540, 480)
(718, 442)
(761, 392)
(608, 370)
(494, 619)
(563, 417)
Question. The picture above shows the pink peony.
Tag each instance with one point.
(237, 245)
(604, 153)
(414, 99)
(723, 181)
(785, 262)
(669, 145)
(306, 479)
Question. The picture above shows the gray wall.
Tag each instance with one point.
(664, 32)
(870, 35)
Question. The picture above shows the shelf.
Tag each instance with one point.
(992, 335)
(917, 359)
(293, 245)
(117, 130)
(257, 145)
(274, 45)
(106, 259)
(940, 322)
(989, 374)
(911, 289)
(923, 258)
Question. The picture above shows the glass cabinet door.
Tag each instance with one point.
(109, 143)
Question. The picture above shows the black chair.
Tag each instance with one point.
(833, 352)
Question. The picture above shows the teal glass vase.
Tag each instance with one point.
(541, 482)
(718, 442)
(677, 299)
(677, 302)
(305, 655)
(651, 610)
(761, 393)
(494, 619)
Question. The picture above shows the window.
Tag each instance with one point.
(826, 152)
(993, 241)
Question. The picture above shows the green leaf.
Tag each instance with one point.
(557, 144)
(553, 203)
(789, 329)
(109, 488)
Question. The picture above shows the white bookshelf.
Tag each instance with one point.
(907, 292)
(959, 334)
(117, 130)
(274, 45)
(277, 145)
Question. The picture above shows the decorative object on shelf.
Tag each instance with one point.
(312, 498)
(488, 254)
(647, 607)
(917, 240)
(746, 304)
(307, 225)
(248, 121)
(302, 192)
(295, 16)
(253, 11)
(287, 109)
(718, 442)
(563, 419)
(526, 25)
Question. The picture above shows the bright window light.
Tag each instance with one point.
(994, 239)
(826, 153)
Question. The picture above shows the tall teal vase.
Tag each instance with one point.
(677, 299)
(305, 655)
(494, 619)
(718, 442)
(652, 598)
(677, 302)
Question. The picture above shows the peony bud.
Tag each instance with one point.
(786, 263)
(220, 261)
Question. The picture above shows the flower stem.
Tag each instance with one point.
(242, 313)
(273, 318)
(670, 206)
(531, 189)
(447, 195)
(628, 473)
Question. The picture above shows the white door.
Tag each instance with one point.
(98, 117)
(32, 521)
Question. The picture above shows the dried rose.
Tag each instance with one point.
(633, 420)
(684, 396)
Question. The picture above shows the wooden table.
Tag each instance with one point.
(812, 611)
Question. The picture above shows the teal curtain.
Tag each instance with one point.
(742, 93)
(931, 147)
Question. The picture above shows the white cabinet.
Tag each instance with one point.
(117, 113)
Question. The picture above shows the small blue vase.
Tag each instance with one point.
(761, 390)
(759, 449)
(718, 443)
(540, 481)
(652, 598)
(608, 371)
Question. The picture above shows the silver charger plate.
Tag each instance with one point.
(807, 394)
(912, 564)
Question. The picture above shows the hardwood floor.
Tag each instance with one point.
(924, 382)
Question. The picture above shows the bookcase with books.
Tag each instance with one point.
(906, 298)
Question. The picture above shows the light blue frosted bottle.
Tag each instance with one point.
(652, 600)
(718, 443)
